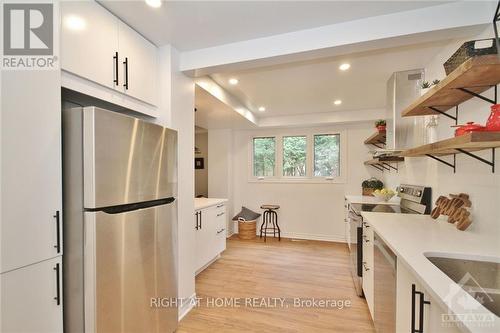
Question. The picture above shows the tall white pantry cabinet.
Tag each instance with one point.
(31, 202)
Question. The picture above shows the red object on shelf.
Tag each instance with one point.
(493, 123)
(468, 128)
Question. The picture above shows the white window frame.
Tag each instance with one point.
(278, 164)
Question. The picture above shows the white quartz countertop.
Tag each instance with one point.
(412, 236)
(364, 199)
(200, 203)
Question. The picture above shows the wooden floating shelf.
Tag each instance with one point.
(470, 142)
(376, 138)
(476, 74)
(386, 160)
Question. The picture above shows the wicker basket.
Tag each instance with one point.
(468, 50)
(247, 229)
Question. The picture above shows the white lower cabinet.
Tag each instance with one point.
(409, 294)
(368, 281)
(32, 298)
(210, 226)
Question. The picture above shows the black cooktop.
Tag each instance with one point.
(381, 208)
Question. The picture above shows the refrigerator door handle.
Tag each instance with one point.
(58, 231)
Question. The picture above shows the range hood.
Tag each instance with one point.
(403, 88)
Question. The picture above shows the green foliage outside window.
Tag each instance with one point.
(264, 157)
(294, 156)
(327, 155)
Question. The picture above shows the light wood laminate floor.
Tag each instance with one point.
(286, 269)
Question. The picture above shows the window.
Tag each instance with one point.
(294, 156)
(264, 157)
(327, 155)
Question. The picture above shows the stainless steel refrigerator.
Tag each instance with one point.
(120, 184)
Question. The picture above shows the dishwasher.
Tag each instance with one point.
(385, 286)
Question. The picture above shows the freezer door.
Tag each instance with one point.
(126, 160)
(129, 262)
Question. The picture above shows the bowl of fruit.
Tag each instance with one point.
(384, 194)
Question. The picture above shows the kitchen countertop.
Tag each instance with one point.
(412, 236)
(200, 203)
(364, 199)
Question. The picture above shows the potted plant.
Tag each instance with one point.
(424, 87)
(435, 81)
(380, 125)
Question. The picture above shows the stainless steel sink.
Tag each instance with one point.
(480, 278)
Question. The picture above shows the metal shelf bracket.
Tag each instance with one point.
(435, 109)
(492, 163)
(489, 100)
(453, 166)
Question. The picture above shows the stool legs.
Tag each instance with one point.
(270, 217)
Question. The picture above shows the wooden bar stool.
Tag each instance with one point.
(270, 217)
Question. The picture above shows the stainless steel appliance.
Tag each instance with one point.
(384, 273)
(414, 200)
(120, 183)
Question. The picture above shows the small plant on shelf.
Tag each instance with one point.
(380, 125)
(425, 85)
(435, 81)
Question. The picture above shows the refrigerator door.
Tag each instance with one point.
(126, 160)
(130, 262)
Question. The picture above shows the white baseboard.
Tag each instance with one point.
(186, 306)
(318, 237)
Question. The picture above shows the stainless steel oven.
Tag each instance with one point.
(414, 200)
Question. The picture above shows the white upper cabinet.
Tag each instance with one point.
(137, 65)
(89, 41)
(97, 46)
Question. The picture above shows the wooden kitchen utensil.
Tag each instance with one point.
(455, 208)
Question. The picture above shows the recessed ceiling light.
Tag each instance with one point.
(233, 81)
(344, 67)
(262, 109)
(154, 3)
(337, 102)
(74, 22)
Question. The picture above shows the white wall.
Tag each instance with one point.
(310, 211)
(201, 175)
(177, 112)
(220, 169)
(472, 176)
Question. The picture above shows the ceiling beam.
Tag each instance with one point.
(420, 25)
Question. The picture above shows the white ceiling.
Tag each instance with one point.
(311, 87)
(192, 25)
(213, 114)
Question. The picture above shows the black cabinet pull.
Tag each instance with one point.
(422, 302)
(115, 58)
(200, 220)
(126, 73)
(196, 226)
(58, 231)
(58, 286)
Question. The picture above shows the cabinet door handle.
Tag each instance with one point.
(58, 285)
(365, 267)
(58, 231)
(220, 214)
(221, 230)
(126, 73)
(196, 226)
(422, 302)
(115, 58)
(219, 206)
(200, 220)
